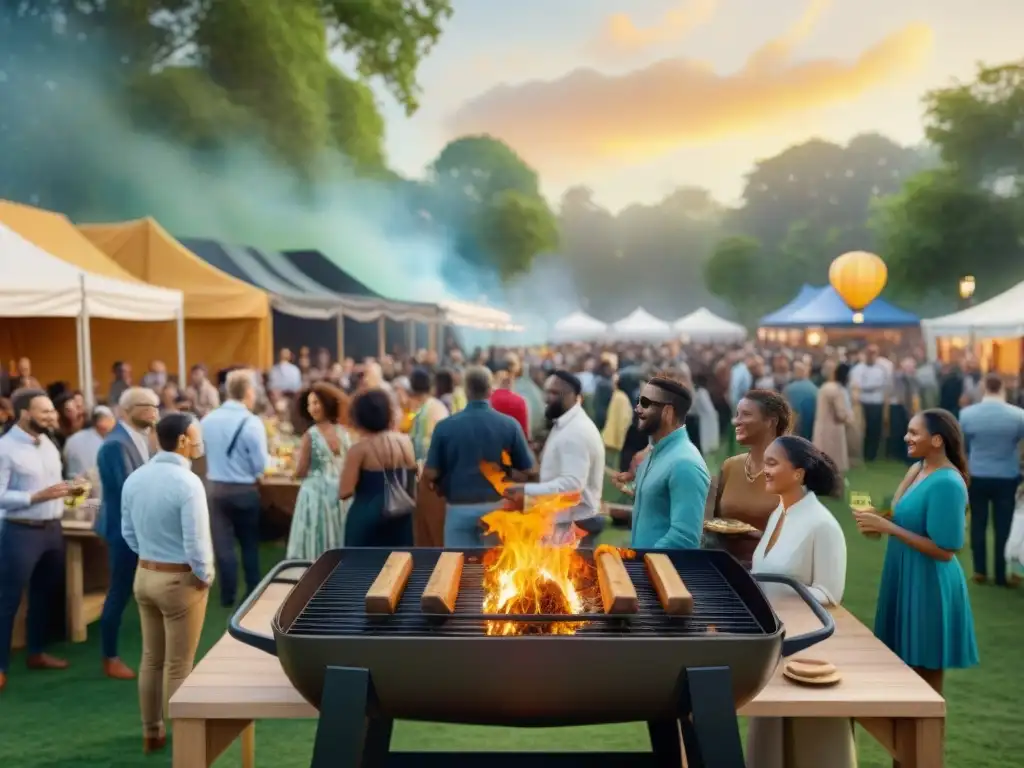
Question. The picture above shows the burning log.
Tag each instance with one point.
(672, 592)
(443, 588)
(617, 591)
(386, 591)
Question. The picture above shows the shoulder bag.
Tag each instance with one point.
(398, 500)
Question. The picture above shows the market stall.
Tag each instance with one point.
(579, 326)
(704, 326)
(641, 325)
(993, 329)
(227, 322)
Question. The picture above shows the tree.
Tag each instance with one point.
(482, 191)
(939, 227)
(979, 126)
(733, 272)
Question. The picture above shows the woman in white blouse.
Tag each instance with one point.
(803, 541)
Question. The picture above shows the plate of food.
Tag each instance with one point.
(728, 527)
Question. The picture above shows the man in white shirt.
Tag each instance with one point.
(166, 522)
(82, 449)
(285, 376)
(573, 459)
(870, 381)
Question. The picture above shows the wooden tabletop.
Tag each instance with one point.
(78, 528)
(235, 681)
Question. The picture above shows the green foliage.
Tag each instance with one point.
(979, 126)
(514, 228)
(940, 227)
(734, 273)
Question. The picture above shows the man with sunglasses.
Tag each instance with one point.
(672, 481)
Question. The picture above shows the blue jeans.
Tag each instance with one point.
(33, 557)
(123, 563)
(462, 527)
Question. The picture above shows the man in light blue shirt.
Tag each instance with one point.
(236, 458)
(165, 521)
(993, 430)
(672, 482)
(285, 376)
(31, 540)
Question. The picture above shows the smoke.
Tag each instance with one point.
(69, 140)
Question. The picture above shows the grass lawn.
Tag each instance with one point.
(79, 719)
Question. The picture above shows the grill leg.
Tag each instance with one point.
(347, 734)
(711, 733)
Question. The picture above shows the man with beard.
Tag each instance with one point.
(31, 540)
(572, 461)
(125, 449)
(672, 482)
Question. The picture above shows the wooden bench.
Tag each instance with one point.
(234, 685)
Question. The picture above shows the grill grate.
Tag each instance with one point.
(337, 606)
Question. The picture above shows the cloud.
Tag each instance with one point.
(620, 35)
(588, 118)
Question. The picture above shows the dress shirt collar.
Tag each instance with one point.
(169, 457)
(136, 432)
(994, 399)
(808, 500)
(234, 405)
(563, 421)
(19, 434)
(671, 439)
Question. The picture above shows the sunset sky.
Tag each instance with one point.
(636, 97)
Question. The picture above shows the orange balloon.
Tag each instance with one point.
(858, 278)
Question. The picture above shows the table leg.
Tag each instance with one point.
(189, 744)
(249, 746)
(920, 743)
(198, 743)
(75, 588)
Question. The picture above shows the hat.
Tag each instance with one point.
(133, 397)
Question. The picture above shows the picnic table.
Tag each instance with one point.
(87, 577)
(235, 685)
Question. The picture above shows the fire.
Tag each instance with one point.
(529, 572)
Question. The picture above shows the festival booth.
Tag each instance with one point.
(705, 327)
(579, 326)
(227, 323)
(41, 292)
(994, 330)
(641, 325)
(49, 341)
(825, 318)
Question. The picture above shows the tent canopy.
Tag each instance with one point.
(36, 284)
(579, 326)
(1000, 317)
(828, 310)
(147, 251)
(780, 316)
(641, 325)
(705, 325)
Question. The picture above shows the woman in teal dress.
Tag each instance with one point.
(318, 523)
(924, 612)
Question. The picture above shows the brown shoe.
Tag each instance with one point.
(3, 680)
(980, 578)
(152, 744)
(117, 669)
(45, 661)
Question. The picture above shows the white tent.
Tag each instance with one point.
(579, 326)
(1001, 317)
(37, 284)
(704, 325)
(641, 325)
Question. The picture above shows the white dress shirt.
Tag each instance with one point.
(139, 439)
(573, 460)
(284, 377)
(871, 381)
(811, 549)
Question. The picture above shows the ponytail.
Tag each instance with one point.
(821, 475)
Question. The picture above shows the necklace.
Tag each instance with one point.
(746, 470)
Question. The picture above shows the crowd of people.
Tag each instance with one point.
(391, 450)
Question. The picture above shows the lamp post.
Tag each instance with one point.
(967, 286)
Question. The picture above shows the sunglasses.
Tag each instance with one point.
(646, 402)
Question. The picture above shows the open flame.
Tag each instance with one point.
(531, 573)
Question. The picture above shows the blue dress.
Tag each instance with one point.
(366, 524)
(924, 612)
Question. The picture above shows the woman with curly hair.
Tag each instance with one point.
(318, 523)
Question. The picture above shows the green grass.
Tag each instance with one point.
(79, 719)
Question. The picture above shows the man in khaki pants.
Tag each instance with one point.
(165, 520)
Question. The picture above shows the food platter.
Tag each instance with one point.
(728, 527)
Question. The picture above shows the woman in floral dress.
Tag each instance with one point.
(318, 523)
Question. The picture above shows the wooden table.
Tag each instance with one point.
(235, 685)
(87, 577)
(278, 494)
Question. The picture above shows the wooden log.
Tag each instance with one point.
(443, 587)
(386, 591)
(617, 591)
(672, 592)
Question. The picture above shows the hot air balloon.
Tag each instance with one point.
(858, 277)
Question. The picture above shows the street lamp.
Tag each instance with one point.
(967, 287)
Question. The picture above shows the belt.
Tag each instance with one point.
(149, 565)
(29, 523)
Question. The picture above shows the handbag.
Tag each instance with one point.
(398, 501)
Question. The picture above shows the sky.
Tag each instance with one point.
(634, 98)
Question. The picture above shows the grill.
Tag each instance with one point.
(672, 671)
